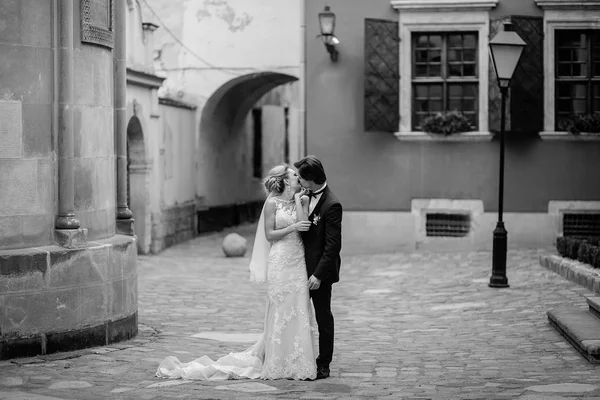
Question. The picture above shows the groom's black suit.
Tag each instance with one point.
(322, 245)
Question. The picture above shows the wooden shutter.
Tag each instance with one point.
(382, 104)
(527, 87)
(525, 104)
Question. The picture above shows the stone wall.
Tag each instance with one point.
(173, 225)
(60, 105)
(27, 156)
(56, 299)
(93, 130)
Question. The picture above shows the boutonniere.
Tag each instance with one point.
(316, 219)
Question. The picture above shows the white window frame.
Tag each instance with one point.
(562, 14)
(443, 16)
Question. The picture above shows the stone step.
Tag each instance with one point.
(594, 304)
(580, 328)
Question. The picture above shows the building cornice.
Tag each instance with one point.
(144, 79)
(444, 5)
(568, 4)
(165, 101)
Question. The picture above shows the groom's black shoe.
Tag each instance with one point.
(322, 372)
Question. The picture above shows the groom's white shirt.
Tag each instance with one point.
(314, 200)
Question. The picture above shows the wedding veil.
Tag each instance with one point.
(260, 251)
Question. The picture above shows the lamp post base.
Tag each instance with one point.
(498, 278)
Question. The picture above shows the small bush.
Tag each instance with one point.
(585, 249)
(573, 247)
(589, 123)
(595, 256)
(584, 253)
(447, 123)
(561, 246)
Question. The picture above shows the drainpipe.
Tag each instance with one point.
(63, 76)
(302, 117)
(124, 214)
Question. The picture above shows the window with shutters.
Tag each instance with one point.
(572, 62)
(444, 75)
(443, 64)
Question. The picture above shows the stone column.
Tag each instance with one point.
(124, 214)
(67, 230)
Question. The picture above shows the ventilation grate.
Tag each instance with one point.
(448, 225)
(581, 224)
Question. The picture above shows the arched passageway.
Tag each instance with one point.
(228, 141)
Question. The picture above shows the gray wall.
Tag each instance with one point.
(376, 172)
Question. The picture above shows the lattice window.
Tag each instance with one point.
(577, 74)
(581, 224)
(448, 224)
(444, 74)
(382, 104)
(97, 22)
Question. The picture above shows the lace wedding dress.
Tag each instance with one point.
(286, 350)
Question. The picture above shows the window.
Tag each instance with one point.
(577, 74)
(444, 74)
(286, 133)
(257, 143)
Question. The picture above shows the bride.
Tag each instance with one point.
(286, 349)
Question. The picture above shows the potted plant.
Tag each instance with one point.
(447, 123)
(581, 123)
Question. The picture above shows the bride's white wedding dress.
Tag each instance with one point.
(286, 350)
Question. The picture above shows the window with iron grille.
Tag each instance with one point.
(447, 225)
(581, 224)
(577, 74)
(444, 74)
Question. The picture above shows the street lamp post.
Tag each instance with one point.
(505, 49)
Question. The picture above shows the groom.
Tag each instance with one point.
(322, 245)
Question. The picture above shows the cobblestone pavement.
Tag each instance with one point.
(408, 326)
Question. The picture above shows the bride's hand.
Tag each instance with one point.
(302, 192)
(302, 226)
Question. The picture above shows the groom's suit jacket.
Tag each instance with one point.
(323, 241)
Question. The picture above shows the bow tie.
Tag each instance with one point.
(315, 194)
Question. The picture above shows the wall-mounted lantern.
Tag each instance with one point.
(327, 24)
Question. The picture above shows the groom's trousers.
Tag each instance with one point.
(322, 302)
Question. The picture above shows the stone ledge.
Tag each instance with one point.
(580, 328)
(52, 342)
(19, 262)
(572, 270)
(432, 137)
(594, 305)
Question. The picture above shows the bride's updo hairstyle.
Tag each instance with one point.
(274, 181)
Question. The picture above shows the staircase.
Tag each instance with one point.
(581, 328)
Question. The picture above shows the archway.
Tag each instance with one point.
(225, 161)
(138, 183)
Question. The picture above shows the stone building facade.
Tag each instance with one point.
(68, 259)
